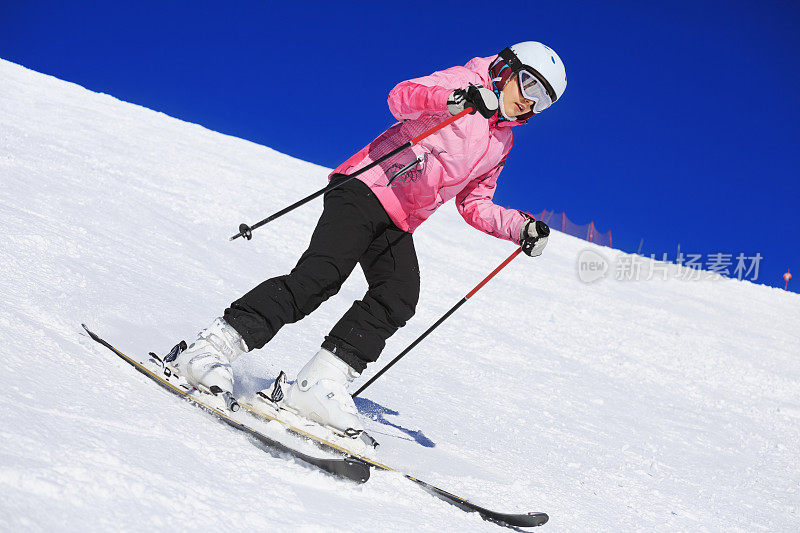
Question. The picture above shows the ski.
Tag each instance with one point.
(512, 520)
(344, 467)
(348, 465)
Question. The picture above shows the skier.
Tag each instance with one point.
(370, 220)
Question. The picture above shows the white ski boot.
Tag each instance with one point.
(320, 394)
(206, 363)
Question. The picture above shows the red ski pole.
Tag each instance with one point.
(442, 319)
(247, 231)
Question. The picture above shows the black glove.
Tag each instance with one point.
(475, 96)
(533, 237)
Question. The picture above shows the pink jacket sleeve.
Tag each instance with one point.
(427, 95)
(476, 206)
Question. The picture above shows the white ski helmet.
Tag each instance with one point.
(536, 59)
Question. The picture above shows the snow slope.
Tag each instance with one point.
(666, 405)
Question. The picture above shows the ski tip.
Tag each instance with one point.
(515, 521)
(541, 518)
(358, 470)
(94, 335)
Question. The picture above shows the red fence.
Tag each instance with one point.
(587, 232)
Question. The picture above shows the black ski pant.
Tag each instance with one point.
(354, 228)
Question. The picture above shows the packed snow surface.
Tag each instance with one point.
(616, 405)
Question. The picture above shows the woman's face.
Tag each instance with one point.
(513, 102)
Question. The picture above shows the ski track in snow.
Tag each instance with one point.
(658, 405)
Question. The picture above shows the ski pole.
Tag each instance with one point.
(438, 322)
(247, 231)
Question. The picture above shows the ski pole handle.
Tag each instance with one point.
(247, 231)
(444, 317)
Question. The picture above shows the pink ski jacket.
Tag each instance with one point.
(461, 161)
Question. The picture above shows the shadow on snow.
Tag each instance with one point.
(376, 412)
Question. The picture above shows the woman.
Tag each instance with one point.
(370, 220)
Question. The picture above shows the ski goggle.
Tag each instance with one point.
(533, 89)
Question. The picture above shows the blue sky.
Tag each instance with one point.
(678, 124)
